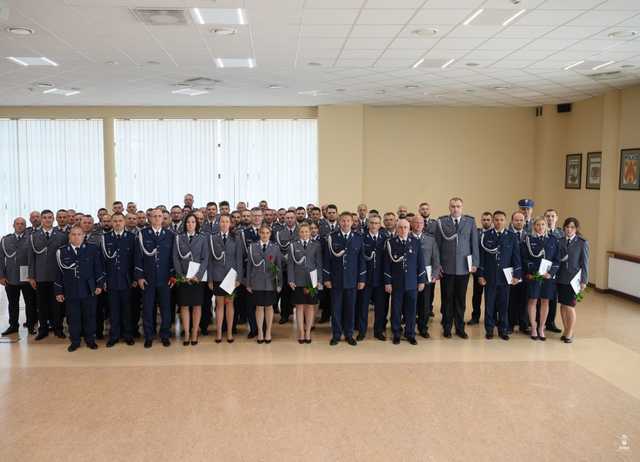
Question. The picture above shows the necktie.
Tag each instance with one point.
(264, 247)
(455, 222)
(304, 244)
(47, 235)
(290, 233)
(118, 236)
(190, 239)
(157, 233)
(345, 236)
(224, 239)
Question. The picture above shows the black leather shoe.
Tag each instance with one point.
(166, 342)
(488, 336)
(553, 328)
(229, 340)
(60, 334)
(446, 334)
(41, 335)
(396, 340)
(424, 334)
(111, 342)
(412, 340)
(504, 336)
(99, 336)
(307, 341)
(568, 340)
(72, 348)
(563, 338)
(130, 341)
(380, 337)
(194, 342)
(462, 335)
(92, 346)
(148, 343)
(283, 320)
(534, 337)
(301, 341)
(267, 341)
(186, 343)
(542, 339)
(11, 330)
(252, 335)
(218, 340)
(351, 341)
(333, 342)
(473, 322)
(360, 337)
(137, 334)
(260, 342)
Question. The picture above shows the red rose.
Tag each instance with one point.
(270, 257)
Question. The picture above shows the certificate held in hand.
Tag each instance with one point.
(193, 269)
(228, 284)
(545, 266)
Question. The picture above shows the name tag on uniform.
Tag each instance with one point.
(24, 273)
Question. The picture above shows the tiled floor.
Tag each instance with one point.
(443, 400)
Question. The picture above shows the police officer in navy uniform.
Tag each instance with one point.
(518, 293)
(526, 207)
(373, 291)
(486, 222)
(43, 272)
(551, 217)
(283, 238)
(118, 248)
(404, 276)
(155, 275)
(499, 250)
(457, 239)
(431, 255)
(329, 224)
(80, 278)
(345, 272)
(14, 267)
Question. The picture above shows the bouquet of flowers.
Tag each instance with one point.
(274, 270)
(310, 290)
(537, 277)
(580, 295)
(181, 280)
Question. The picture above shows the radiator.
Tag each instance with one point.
(624, 276)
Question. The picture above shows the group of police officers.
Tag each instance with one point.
(134, 264)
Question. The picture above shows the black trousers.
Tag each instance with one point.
(120, 314)
(518, 306)
(286, 308)
(432, 291)
(48, 308)
(136, 309)
(325, 304)
(102, 309)
(476, 301)
(423, 300)
(81, 317)
(13, 296)
(454, 289)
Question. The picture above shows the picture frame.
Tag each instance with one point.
(573, 171)
(593, 176)
(629, 175)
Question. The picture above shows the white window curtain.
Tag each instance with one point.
(50, 164)
(158, 161)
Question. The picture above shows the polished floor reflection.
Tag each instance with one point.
(443, 400)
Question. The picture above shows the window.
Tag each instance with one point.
(50, 164)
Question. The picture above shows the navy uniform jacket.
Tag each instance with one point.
(343, 262)
(224, 257)
(535, 248)
(302, 261)
(43, 266)
(94, 237)
(79, 274)
(374, 258)
(557, 233)
(14, 253)
(259, 271)
(154, 256)
(249, 235)
(520, 235)
(176, 228)
(118, 254)
(454, 248)
(404, 266)
(574, 256)
(498, 252)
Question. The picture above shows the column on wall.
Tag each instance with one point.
(109, 161)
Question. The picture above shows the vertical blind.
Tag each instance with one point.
(50, 164)
(158, 161)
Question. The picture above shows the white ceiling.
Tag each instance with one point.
(365, 50)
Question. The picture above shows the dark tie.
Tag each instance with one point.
(304, 244)
(264, 247)
(345, 236)
(118, 236)
(426, 222)
(290, 233)
(455, 222)
(224, 239)
(47, 235)
(190, 239)
(157, 233)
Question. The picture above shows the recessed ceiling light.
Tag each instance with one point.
(513, 17)
(153, 63)
(448, 63)
(32, 61)
(44, 85)
(313, 63)
(428, 32)
(623, 34)
(189, 92)
(20, 30)
(221, 16)
(577, 63)
(60, 91)
(472, 17)
(411, 87)
(472, 64)
(235, 62)
(224, 31)
(381, 92)
(417, 63)
(600, 66)
(275, 86)
(501, 87)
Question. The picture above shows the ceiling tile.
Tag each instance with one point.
(382, 16)
(376, 30)
(441, 16)
(329, 16)
(548, 17)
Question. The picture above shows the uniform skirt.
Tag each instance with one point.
(263, 297)
(217, 291)
(190, 295)
(566, 295)
(300, 298)
(541, 289)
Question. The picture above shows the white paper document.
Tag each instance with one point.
(508, 273)
(314, 278)
(193, 270)
(469, 262)
(24, 273)
(545, 266)
(429, 273)
(575, 282)
(228, 284)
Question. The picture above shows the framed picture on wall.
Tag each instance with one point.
(630, 169)
(573, 171)
(594, 170)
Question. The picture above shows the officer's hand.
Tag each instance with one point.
(474, 269)
(292, 285)
(172, 282)
(515, 281)
(142, 282)
(388, 288)
(98, 290)
(482, 281)
(420, 287)
(327, 284)
(210, 284)
(134, 284)
(582, 286)
(33, 283)
(237, 283)
(3, 281)
(319, 286)
(546, 275)
(195, 279)
(60, 298)
(360, 285)
(249, 289)
(279, 289)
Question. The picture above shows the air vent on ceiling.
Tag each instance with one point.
(606, 75)
(162, 17)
